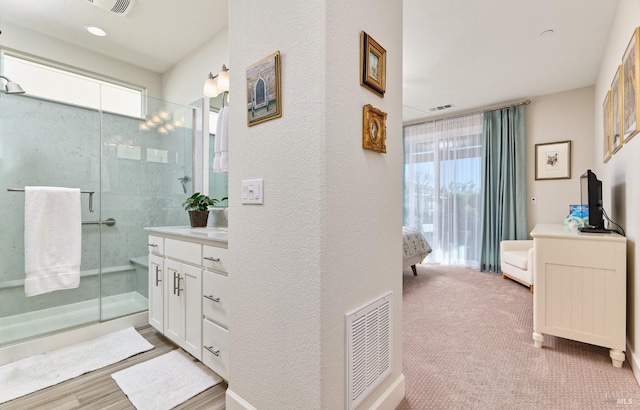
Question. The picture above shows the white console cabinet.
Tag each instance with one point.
(580, 282)
(188, 298)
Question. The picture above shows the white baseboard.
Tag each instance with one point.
(389, 400)
(235, 402)
(632, 358)
(392, 397)
(19, 351)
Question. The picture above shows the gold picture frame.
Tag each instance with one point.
(374, 129)
(606, 128)
(630, 95)
(616, 112)
(264, 97)
(373, 65)
(553, 160)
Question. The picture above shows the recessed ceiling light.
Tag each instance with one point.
(546, 33)
(96, 31)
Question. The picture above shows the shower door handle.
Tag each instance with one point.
(157, 276)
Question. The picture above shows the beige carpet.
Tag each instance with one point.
(467, 345)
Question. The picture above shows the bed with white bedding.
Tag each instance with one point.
(414, 248)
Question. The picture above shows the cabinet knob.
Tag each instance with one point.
(153, 245)
(209, 258)
(210, 297)
(214, 352)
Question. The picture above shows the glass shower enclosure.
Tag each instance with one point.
(139, 171)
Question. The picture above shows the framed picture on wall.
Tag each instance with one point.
(373, 65)
(606, 128)
(616, 115)
(553, 160)
(630, 76)
(264, 98)
(374, 129)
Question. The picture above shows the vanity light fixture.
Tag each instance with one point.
(96, 31)
(214, 85)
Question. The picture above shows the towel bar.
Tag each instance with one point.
(108, 222)
(83, 192)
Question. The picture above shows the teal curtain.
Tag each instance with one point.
(504, 188)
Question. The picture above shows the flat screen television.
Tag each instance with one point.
(591, 196)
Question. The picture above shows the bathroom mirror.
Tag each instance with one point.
(218, 182)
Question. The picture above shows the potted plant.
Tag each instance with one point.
(198, 207)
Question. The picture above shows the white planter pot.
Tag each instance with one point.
(218, 217)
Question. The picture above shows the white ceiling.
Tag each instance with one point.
(468, 53)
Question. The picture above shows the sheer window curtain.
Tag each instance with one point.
(443, 177)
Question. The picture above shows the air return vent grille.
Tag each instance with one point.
(369, 358)
(440, 107)
(119, 7)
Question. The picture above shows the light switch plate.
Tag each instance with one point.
(252, 191)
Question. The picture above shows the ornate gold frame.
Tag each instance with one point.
(374, 129)
(373, 65)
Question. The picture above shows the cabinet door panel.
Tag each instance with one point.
(156, 292)
(174, 304)
(191, 293)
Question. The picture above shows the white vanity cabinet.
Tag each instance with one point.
(215, 302)
(188, 297)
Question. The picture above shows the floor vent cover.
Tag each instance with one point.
(369, 358)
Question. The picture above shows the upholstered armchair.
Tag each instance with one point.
(516, 260)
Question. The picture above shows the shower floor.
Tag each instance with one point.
(28, 325)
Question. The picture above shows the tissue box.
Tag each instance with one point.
(579, 211)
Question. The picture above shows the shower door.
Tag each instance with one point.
(49, 144)
(146, 175)
(141, 170)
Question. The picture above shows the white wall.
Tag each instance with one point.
(621, 190)
(183, 83)
(558, 117)
(29, 42)
(327, 239)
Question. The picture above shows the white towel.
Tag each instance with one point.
(221, 144)
(52, 239)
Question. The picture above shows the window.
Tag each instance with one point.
(443, 180)
(58, 84)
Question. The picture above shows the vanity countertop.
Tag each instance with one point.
(208, 233)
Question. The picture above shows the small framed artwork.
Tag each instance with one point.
(553, 160)
(264, 98)
(606, 128)
(374, 129)
(630, 96)
(373, 64)
(616, 115)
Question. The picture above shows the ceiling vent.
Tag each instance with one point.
(440, 108)
(119, 7)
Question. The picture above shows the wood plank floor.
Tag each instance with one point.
(97, 390)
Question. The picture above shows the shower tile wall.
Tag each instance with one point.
(48, 143)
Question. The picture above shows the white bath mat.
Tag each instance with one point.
(166, 381)
(43, 370)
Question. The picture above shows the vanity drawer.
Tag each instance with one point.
(215, 348)
(215, 258)
(215, 301)
(185, 251)
(156, 245)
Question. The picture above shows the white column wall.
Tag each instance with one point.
(327, 239)
(621, 190)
